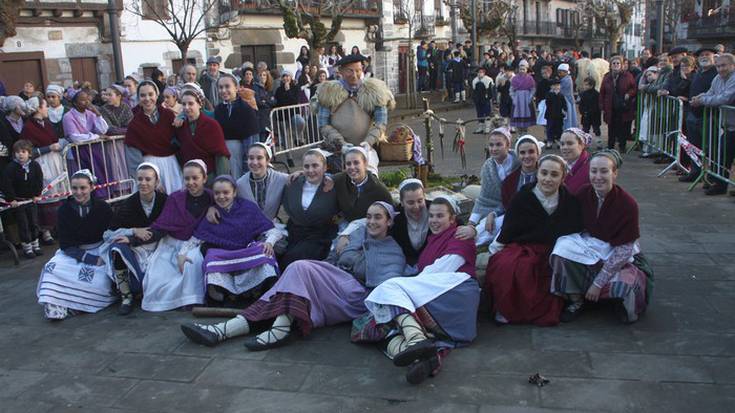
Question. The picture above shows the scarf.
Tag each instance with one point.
(259, 186)
(549, 203)
(175, 219)
(444, 243)
(16, 124)
(55, 115)
(522, 82)
(613, 219)
(238, 226)
(417, 230)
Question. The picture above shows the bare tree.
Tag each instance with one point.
(183, 20)
(302, 19)
(8, 14)
(612, 16)
(495, 18)
(674, 10)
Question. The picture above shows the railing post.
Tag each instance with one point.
(429, 144)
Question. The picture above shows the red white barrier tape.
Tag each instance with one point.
(694, 153)
(56, 196)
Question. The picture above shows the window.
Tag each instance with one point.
(263, 53)
(154, 9)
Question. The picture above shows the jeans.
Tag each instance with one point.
(238, 154)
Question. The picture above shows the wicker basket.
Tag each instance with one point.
(401, 151)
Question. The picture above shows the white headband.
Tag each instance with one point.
(87, 173)
(409, 181)
(197, 162)
(264, 146)
(533, 140)
(152, 166)
(388, 207)
(451, 201)
(357, 148)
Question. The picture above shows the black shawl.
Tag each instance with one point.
(130, 213)
(317, 221)
(526, 221)
(75, 231)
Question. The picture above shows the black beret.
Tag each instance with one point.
(677, 50)
(352, 58)
(705, 49)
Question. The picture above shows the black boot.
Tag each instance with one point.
(421, 370)
(717, 188)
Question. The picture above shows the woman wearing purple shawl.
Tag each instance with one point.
(234, 260)
(174, 275)
(522, 89)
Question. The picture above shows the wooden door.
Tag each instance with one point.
(84, 69)
(177, 64)
(402, 66)
(18, 68)
(259, 53)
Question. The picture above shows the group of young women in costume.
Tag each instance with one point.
(560, 232)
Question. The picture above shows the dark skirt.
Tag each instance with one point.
(519, 280)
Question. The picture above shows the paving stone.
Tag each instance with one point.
(685, 343)
(15, 382)
(649, 367)
(155, 367)
(10, 405)
(160, 396)
(514, 409)
(618, 339)
(333, 353)
(78, 389)
(254, 374)
(384, 381)
(520, 362)
(480, 386)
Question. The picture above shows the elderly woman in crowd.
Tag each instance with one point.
(312, 294)
(574, 143)
(117, 114)
(617, 100)
(522, 89)
(171, 100)
(148, 139)
(489, 204)
(201, 137)
(47, 152)
(603, 261)
(75, 279)
(174, 277)
(435, 310)
(131, 229)
(518, 273)
(15, 111)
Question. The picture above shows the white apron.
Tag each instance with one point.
(164, 287)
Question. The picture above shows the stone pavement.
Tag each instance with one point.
(680, 357)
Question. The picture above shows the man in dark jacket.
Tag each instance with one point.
(556, 107)
(459, 72)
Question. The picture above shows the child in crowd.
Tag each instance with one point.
(482, 93)
(556, 108)
(589, 107)
(23, 180)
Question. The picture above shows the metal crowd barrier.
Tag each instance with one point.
(659, 121)
(105, 158)
(294, 127)
(718, 144)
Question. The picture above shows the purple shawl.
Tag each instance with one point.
(175, 220)
(580, 173)
(522, 82)
(237, 228)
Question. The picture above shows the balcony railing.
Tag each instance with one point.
(360, 9)
(721, 25)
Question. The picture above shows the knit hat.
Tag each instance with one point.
(55, 90)
(564, 67)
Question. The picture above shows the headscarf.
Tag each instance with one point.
(388, 208)
(10, 103)
(611, 154)
(123, 92)
(267, 148)
(532, 139)
(32, 105)
(452, 202)
(198, 162)
(55, 90)
(503, 131)
(173, 90)
(85, 173)
(152, 166)
(149, 83)
(584, 137)
(409, 181)
(357, 148)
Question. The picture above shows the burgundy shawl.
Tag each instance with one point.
(444, 243)
(207, 142)
(175, 220)
(580, 173)
(154, 140)
(509, 187)
(237, 228)
(40, 136)
(617, 222)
